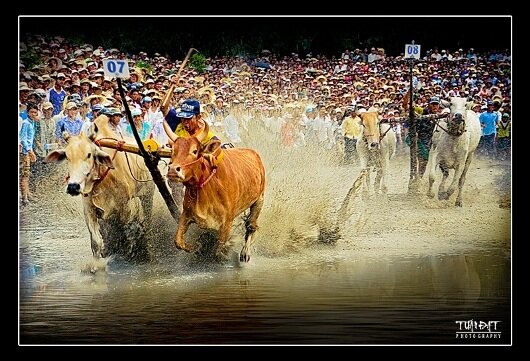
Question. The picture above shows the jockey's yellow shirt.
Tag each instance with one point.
(180, 131)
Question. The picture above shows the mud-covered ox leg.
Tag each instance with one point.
(366, 185)
(91, 219)
(223, 235)
(462, 179)
(432, 173)
(251, 225)
(456, 179)
(378, 185)
(442, 194)
(184, 223)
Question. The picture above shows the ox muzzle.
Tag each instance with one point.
(174, 172)
(373, 146)
(74, 189)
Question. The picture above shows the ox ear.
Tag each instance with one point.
(211, 146)
(104, 158)
(55, 156)
(92, 131)
(210, 149)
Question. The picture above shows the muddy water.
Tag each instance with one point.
(403, 271)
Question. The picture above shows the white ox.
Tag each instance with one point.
(453, 147)
(116, 206)
(376, 145)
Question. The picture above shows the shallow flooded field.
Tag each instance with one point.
(404, 270)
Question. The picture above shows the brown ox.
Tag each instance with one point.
(220, 185)
(375, 148)
(115, 205)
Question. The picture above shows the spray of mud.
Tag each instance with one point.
(302, 196)
(306, 187)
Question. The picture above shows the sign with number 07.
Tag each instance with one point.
(412, 51)
(116, 68)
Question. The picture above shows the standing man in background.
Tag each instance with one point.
(27, 155)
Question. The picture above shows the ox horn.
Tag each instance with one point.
(204, 132)
(92, 131)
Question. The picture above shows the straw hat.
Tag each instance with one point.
(59, 62)
(321, 79)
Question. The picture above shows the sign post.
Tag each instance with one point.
(412, 51)
(120, 69)
(116, 68)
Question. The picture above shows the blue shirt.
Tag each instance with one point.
(489, 120)
(172, 119)
(27, 136)
(143, 133)
(57, 99)
(73, 128)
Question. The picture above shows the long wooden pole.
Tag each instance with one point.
(130, 148)
(413, 136)
(164, 104)
(150, 160)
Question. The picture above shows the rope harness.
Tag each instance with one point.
(381, 136)
(101, 176)
(454, 128)
(119, 146)
(213, 159)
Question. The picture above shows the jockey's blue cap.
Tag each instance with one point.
(146, 99)
(489, 103)
(189, 108)
(135, 112)
(506, 115)
(434, 100)
(97, 107)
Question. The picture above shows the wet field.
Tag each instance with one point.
(404, 270)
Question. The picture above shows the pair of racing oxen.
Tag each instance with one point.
(117, 201)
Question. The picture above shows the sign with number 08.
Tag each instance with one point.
(116, 68)
(412, 51)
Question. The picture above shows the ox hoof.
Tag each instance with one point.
(443, 196)
(244, 257)
(221, 256)
(458, 203)
(186, 247)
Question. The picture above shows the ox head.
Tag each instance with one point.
(371, 133)
(189, 155)
(456, 122)
(84, 158)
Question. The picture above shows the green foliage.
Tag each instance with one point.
(198, 63)
(30, 58)
(144, 65)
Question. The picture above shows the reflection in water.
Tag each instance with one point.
(314, 300)
(455, 275)
(399, 274)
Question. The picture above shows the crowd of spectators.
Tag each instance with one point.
(307, 93)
